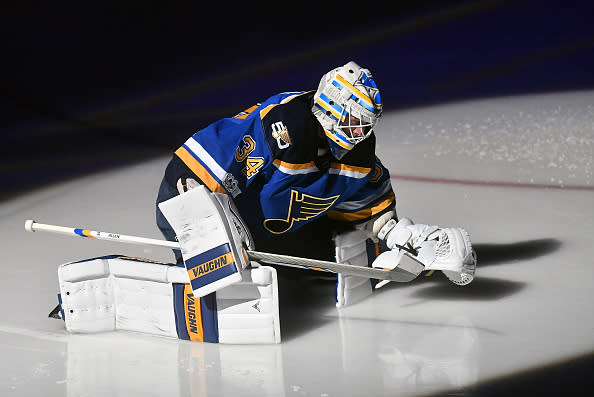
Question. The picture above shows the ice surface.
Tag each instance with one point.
(530, 303)
(538, 139)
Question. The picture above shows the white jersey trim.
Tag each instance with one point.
(348, 173)
(198, 151)
(295, 170)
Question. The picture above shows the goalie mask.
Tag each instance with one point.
(347, 104)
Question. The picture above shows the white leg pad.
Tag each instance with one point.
(109, 293)
(119, 293)
(248, 311)
(351, 248)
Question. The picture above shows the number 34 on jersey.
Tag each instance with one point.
(252, 164)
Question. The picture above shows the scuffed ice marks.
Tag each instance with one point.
(531, 139)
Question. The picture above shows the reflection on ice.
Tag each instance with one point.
(408, 357)
(414, 357)
(117, 363)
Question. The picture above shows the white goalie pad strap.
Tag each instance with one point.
(211, 248)
(351, 248)
(114, 293)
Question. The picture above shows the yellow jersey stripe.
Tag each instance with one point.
(295, 169)
(267, 109)
(352, 168)
(364, 213)
(246, 112)
(294, 166)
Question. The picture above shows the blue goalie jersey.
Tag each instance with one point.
(266, 158)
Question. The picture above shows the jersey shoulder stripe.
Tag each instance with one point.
(295, 169)
(197, 168)
(207, 169)
(290, 96)
(349, 170)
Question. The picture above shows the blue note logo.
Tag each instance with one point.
(301, 208)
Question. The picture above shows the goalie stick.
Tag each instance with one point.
(397, 274)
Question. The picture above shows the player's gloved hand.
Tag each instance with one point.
(445, 249)
(184, 184)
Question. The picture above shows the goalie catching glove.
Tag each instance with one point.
(445, 249)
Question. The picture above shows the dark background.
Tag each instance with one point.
(101, 85)
(89, 87)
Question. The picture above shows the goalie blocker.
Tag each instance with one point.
(211, 235)
(132, 294)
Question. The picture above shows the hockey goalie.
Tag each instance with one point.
(294, 175)
(301, 172)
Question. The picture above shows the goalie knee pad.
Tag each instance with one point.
(351, 248)
(120, 293)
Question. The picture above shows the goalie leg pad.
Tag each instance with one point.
(120, 293)
(113, 292)
(211, 244)
(248, 311)
(351, 248)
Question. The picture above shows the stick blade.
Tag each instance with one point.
(401, 275)
(400, 265)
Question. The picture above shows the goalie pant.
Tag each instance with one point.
(133, 294)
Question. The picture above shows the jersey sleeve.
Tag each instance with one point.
(228, 154)
(210, 154)
(372, 199)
